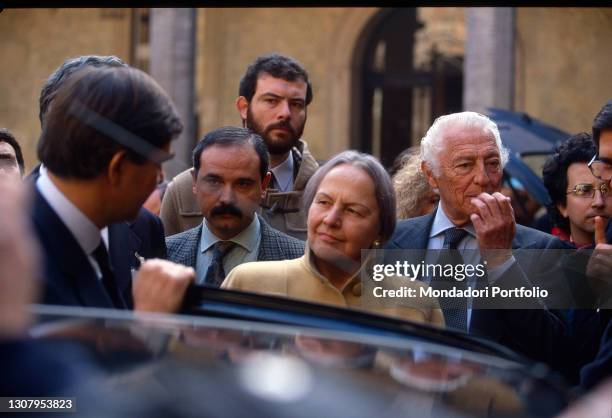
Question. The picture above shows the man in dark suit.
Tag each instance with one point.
(102, 144)
(463, 160)
(22, 359)
(128, 242)
(230, 174)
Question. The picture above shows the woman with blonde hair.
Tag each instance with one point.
(415, 197)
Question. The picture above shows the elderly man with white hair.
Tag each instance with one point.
(463, 159)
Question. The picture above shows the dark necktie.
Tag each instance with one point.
(216, 273)
(455, 309)
(108, 278)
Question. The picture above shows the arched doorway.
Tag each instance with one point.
(404, 80)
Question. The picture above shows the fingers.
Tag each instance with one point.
(493, 205)
(161, 285)
(600, 231)
(493, 221)
(504, 204)
(477, 221)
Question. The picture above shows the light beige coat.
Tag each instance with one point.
(299, 279)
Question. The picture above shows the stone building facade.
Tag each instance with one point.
(560, 60)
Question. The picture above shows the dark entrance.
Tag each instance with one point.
(397, 100)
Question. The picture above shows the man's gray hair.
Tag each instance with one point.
(385, 195)
(433, 143)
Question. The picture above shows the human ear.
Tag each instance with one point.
(194, 180)
(562, 209)
(242, 104)
(116, 168)
(429, 175)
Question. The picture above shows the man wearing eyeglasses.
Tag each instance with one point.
(578, 196)
(601, 165)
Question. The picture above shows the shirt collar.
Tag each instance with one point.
(441, 223)
(82, 228)
(247, 238)
(284, 174)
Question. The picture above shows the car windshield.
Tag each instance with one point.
(184, 365)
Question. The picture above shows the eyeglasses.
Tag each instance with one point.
(588, 190)
(601, 169)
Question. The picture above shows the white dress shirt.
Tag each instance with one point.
(85, 232)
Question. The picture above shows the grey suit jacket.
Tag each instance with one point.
(274, 245)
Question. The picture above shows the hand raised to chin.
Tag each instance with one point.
(599, 267)
(495, 227)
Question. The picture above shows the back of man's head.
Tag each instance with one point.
(98, 112)
(6, 136)
(578, 148)
(64, 71)
(228, 136)
(278, 66)
(603, 121)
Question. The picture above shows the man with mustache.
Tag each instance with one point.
(577, 195)
(229, 177)
(273, 97)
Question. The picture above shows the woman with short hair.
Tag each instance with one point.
(351, 207)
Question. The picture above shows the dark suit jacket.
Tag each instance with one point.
(145, 236)
(43, 367)
(274, 245)
(148, 237)
(601, 367)
(68, 276)
(536, 333)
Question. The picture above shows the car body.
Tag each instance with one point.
(242, 355)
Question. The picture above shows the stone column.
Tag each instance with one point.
(489, 58)
(172, 45)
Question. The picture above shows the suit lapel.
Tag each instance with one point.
(188, 254)
(413, 234)
(63, 251)
(268, 248)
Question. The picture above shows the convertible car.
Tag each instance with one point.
(232, 354)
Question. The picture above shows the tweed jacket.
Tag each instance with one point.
(274, 245)
(300, 279)
(285, 210)
(282, 210)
